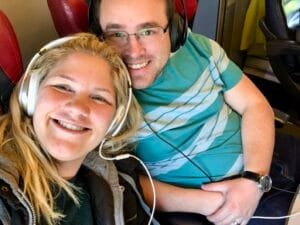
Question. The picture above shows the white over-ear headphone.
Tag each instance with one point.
(120, 117)
(31, 81)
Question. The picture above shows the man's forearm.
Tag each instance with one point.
(170, 198)
(258, 138)
(257, 124)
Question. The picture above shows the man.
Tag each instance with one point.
(204, 120)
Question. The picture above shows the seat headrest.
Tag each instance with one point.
(11, 64)
(69, 16)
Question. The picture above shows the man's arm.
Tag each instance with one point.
(170, 198)
(257, 128)
(257, 125)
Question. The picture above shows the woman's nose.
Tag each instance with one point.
(79, 106)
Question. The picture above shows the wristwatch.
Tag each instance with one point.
(264, 182)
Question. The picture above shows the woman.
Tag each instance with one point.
(74, 95)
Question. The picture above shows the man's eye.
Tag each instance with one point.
(147, 32)
(117, 34)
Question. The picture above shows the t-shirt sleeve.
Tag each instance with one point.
(227, 73)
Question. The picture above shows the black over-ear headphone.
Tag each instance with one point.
(178, 25)
(31, 81)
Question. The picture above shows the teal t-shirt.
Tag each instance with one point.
(189, 132)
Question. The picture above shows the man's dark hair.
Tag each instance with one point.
(94, 5)
(178, 25)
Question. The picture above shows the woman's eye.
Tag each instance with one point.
(99, 98)
(63, 87)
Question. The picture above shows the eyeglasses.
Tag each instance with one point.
(145, 35)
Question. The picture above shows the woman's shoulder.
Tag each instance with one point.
(10, 210)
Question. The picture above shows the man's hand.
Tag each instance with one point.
(241, 199)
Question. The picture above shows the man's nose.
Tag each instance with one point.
(134, 46)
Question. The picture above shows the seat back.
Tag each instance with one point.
(282, 49)
(275, 19)
(69, 16)
(11, 64)
(188, 9)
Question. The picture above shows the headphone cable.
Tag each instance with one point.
(178, 150)
(126, 156)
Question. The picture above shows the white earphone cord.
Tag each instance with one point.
(125, 156)
(276, 217)
(280, 217)
(152, 186)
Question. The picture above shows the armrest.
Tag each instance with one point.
(283, 47)
(283, 56)
(266, 31)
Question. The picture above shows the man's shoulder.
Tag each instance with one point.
(201, 39)
(201, 43)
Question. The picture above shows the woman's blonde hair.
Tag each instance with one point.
(17, 134)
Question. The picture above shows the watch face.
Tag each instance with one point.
(265, 183)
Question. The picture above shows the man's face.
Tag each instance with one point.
(145, 57)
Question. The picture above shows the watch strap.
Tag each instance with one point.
(264, 182)
(251, 175)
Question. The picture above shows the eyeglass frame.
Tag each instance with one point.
(137, 34)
